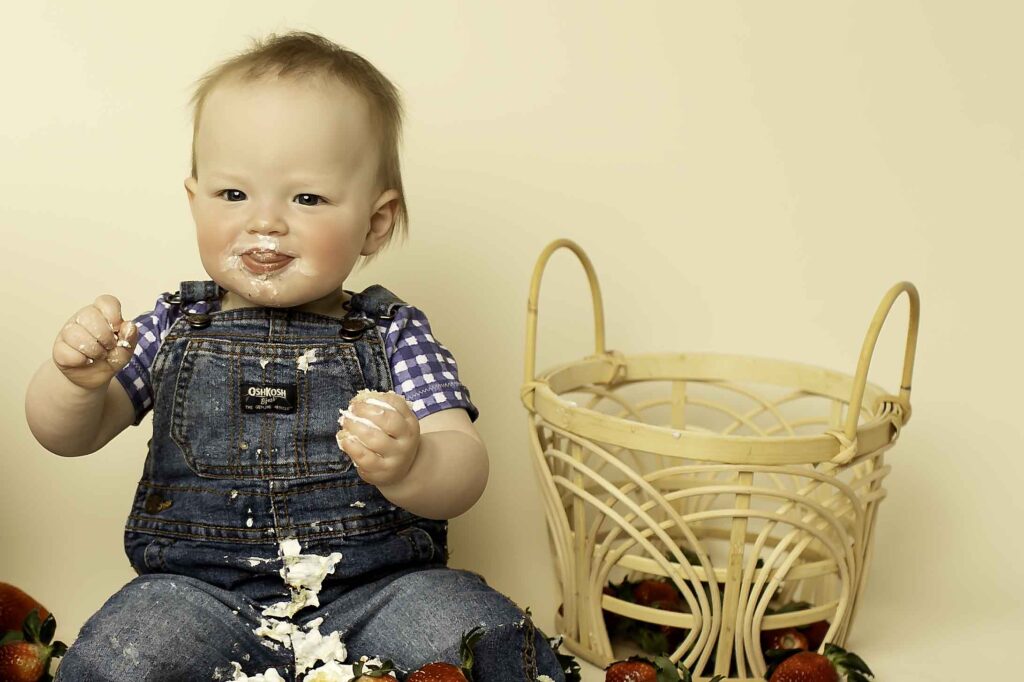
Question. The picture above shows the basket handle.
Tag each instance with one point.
(531, 307)
(868, 349)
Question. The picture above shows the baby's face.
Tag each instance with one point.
(286, 199)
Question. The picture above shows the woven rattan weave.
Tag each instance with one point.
(749, 483)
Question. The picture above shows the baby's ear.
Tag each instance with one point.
(191, 185)
(382, 221)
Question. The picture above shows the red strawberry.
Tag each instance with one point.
(785, 638)
(22, 662)
(635, 669)
(657, 594)
(437, 672)
(808, 666)
(446, 672)
(15, 606)
(815, 633)
(640, 669)
(25, 656)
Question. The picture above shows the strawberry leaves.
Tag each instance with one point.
(846, 663)
(469, 640)
(851, 664)
(372, 669)
(38, 634)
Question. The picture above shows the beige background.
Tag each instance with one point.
(747, 177)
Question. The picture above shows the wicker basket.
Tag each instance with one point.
(746, 482)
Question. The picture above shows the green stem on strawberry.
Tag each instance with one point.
(38, 634)
(469, 640)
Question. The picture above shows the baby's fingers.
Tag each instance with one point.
(127, 338)
(84, 346)
(110, 308)
(66, 357)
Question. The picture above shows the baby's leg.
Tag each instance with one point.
(419, 617)
(168, 628)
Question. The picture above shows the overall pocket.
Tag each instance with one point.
(426, 547)
(262, 410)
(146, 553)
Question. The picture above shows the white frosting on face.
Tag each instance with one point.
(258, 285)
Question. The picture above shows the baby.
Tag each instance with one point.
(266, 542)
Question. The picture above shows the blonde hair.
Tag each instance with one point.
(307, 56)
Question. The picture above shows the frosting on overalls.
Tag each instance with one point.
(244, 453)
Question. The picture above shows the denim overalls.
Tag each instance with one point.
(244, 453)
(243, 456)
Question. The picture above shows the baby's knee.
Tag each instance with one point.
(516, 645)
(108, 646)
(163, 628)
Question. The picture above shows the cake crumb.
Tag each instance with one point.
(306, 359)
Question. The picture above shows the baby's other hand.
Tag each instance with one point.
(383, 455)
(95, 343)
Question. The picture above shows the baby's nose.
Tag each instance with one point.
(266, 227)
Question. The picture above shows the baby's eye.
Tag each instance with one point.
(229, 191)
(316, 198)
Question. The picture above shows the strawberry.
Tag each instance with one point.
(633, 669)
(372, 672)
(15, 606)
(785, 638)
(22, 662)
(446, 672)
(794, 665)
(640, 669)
(657, 594)
(815, 633)
(25, 656)
(438, 672)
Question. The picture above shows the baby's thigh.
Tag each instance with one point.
(421, 616)
(164, 627)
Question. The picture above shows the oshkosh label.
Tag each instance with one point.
(268, 398)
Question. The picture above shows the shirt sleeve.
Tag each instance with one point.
(153, 327)
(422, 369)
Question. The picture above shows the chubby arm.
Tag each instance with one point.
(71, 421)
(450, 471)
(437, 471)
(73, 404)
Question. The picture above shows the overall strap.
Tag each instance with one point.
(199, 290)
(375, 302)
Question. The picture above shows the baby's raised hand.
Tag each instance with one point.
(382, 455)
(95, 343)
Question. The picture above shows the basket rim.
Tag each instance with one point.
(542, 399)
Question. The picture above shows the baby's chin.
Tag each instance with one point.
(247, 291)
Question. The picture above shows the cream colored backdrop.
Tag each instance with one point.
(747, 177)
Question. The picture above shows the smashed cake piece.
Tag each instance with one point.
(369, 397)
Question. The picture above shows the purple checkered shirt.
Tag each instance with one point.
(422, 369)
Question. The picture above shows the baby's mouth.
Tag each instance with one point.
(261, 261)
